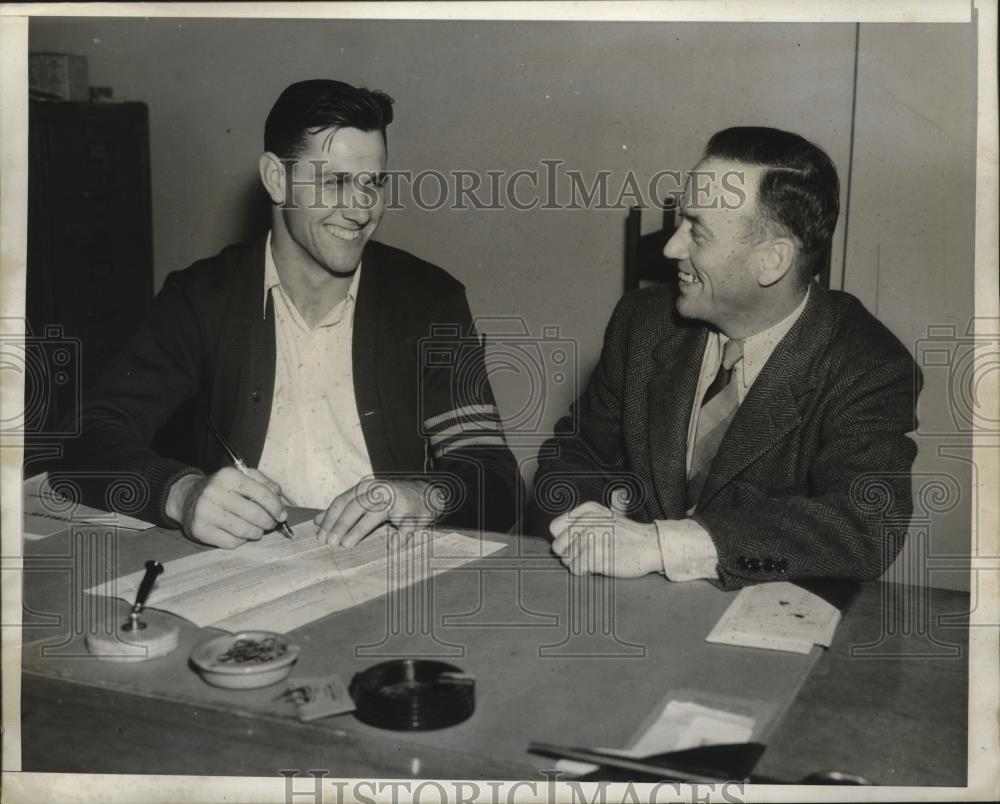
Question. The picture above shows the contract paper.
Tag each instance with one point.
(280, 584)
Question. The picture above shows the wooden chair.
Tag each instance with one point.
(824, 275)
(644, 258)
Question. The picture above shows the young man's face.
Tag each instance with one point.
(337, 198)
(718, 283)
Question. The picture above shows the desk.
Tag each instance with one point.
(557, 659)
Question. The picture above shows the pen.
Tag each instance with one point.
(242, 467)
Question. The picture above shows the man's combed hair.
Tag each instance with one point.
(799, 192)
(309, 107)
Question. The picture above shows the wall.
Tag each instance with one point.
(642, 97)
(911, 224)
(473, 96)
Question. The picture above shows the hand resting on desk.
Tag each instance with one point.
(407, 504)
(601, 541)
(226, 509)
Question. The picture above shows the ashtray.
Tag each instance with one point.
(246, 660)
(413, 695)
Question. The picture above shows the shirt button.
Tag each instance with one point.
(255, 395)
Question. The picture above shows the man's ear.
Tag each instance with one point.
(777, 259)
(272, 176)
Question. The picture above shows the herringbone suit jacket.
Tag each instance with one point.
(812, 479)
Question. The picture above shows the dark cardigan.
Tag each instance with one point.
(208, 345)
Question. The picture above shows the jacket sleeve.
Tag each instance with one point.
(580, 462)
(466, 451)
(112, 463)
(853, 520)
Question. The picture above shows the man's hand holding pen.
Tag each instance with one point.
(228, 508)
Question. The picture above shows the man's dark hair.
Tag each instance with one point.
(799, 193)
(309, 107)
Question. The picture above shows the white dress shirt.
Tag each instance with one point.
(686, 547)
(315, 448)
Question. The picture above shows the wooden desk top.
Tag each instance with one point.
(889, 698)
(557, 658)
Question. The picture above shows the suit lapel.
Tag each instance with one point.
(771, 410)
(670, 396)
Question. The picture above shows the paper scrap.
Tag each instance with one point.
(38, 526)
(317, 697)
(777, 616)
(279, 584)
(683, 724)
(46, 512)
(680, 725)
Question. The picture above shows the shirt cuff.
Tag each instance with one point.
(687, 550)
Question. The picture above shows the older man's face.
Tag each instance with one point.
(337, 198)
(718, 283)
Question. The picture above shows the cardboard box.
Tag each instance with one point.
(63, 76)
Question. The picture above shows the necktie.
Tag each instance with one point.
(718, 407)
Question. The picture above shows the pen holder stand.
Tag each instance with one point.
(112, 641)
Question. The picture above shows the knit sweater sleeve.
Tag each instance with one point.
(465, 442)
(111, 463)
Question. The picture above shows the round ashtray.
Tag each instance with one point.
(413, 695)
(246, 660)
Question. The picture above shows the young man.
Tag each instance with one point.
(308, 350)
(760, 420)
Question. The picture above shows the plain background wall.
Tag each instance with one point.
(911, 226)
(619, 97)
(469, 96)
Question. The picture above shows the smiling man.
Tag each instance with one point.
(305, 348)
(756, 422)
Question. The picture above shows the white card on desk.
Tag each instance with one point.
(777, 616)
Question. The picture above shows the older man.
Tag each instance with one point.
(759, 420)
(309, 350)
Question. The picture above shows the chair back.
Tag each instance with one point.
(644, 258)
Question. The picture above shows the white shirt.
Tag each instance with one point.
(315, 448)
(686, 547)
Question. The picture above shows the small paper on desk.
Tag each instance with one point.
(777, 616)
(278, 584)
(46, 512)
(680, 725)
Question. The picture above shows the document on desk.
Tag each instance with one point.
(777, 616)
(677, 726)
(46, 512)
(279, 584)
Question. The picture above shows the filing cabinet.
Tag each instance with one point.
(90, 261)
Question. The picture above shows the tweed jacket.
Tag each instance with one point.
(207, 349)
(812, 478)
